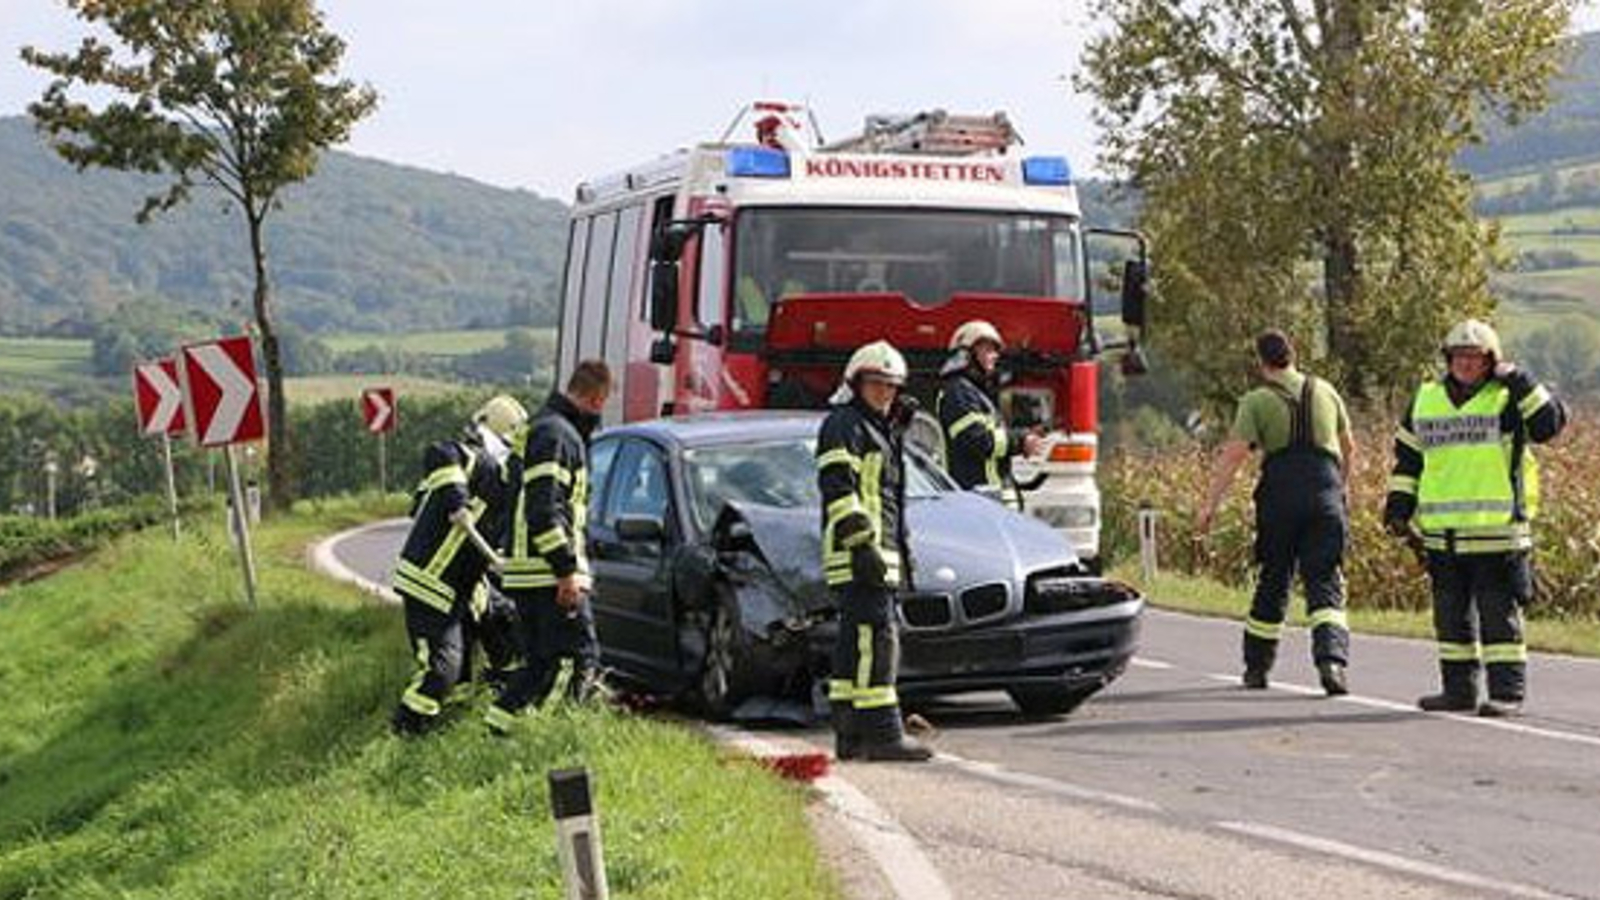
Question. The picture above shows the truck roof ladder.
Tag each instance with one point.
(932, 133)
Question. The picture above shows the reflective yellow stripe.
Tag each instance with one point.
(1406, 438)
(1329, 616)
(838, 456)
(1503, 539)
(1534, 402)
(414, 582)
(1449, 652)
(1402, 484)
(550, 540)
(965, 422)
(438, 478)
(499, 719)
(876, 697)
(1267, 631)
(863, 658)
(1505, 653)
(413, 698)
(841, 689)
(548, 470)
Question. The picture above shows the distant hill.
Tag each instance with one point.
(364, 245)
(1568, 131)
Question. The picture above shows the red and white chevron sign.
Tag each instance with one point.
(158, 397)
(378, 409)
(220, 395)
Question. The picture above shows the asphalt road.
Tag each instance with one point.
(1177, 783)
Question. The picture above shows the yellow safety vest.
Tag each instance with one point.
(1467, 501)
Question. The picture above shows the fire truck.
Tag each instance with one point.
(741, 274)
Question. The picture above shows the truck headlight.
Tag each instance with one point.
(1068, 516)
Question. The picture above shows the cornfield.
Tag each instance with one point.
(1381, 572)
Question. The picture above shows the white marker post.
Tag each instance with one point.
(241, 522)
(583, 868)
(1147, 544)
(172, 487)
(383, 463)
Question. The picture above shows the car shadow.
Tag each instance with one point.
(1218, 725)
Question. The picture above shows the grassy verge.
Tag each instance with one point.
(160, 740)
(1206, 597)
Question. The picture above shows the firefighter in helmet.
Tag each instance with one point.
(1300, 425)
(1465, 477)
(861, 475)
(439, 576)
(978, 447)
(547, 568)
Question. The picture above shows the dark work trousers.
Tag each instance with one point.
(438, 643)
(866, 653)
(552, 639)
(494, 629)
(1301, 525)
(1480, 596)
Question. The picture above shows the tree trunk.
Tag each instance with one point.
(280, 489)
(1335, 162)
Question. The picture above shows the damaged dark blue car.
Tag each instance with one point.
(704, 539)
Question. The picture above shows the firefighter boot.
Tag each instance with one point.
(846, 743)
(1259, 654)
(1334, 682)
(1460, 692)
(883, 738)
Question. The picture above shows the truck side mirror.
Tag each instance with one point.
(1135, 291)
(663, 294)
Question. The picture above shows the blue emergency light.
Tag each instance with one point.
(757, 162)
(1047, 170)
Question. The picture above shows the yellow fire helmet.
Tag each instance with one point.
(502, 414)
(970, 333)
(1474, 334)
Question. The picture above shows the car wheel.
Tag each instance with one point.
(727, 677)
(1050, 700)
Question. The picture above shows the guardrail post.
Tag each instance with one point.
(1147, 543)
(583, 869)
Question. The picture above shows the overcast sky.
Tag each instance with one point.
(542, 94)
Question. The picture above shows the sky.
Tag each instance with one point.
(543, 94)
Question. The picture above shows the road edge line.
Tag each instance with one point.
(320, 559)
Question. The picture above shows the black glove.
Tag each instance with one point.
(905, 409)
(868, 566)
(1396, 526)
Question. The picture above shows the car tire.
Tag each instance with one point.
(727, 676)
(1050, 700)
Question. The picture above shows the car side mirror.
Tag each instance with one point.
(663, 351)
(663, 295)
(1135, 291)
(641, 529)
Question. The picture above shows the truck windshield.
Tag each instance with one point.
(926, 254)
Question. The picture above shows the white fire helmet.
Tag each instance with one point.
(502, 414)
(970, 333)
(878, 358)
(1475, 334)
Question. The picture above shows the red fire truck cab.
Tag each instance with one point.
(742, 274)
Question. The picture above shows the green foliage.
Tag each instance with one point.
(28, 541)
(1296, 168)
(187, 747)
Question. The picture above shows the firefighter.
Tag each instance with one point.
(1465, 475)
(978, 447)
(861, 474)
(1300, 425)
(547, 570)
(439, 577)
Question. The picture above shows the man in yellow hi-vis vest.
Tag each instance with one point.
(1464, 473)
(547, 569)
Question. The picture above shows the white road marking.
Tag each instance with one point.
(908, 870)
(1140, 662)
(1550, 734)
(1384, 860)
(993, 773)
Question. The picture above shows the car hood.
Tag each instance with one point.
(957, 539)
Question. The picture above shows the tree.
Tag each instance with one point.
(1297, 163)
(240, 95)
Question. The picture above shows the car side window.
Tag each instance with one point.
(600, 458)
(639, 487)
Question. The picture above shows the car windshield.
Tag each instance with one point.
(781, 473)
(928, 255)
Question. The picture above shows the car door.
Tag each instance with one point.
(630, 543)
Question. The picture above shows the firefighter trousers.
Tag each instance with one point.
(438, 643)
(866, 663)
(556, 644)
(1301, 525)
(1477, 618)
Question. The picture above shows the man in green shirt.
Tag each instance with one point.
(1300, 425)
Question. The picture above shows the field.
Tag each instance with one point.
(322, 388)
(426, 343)
(180, 745)
(39, 363)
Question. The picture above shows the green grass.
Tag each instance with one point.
(158, 739)
(45, 357)
(322, 388)
(1205, 597)
(429, 343)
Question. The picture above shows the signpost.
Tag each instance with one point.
(158, 398)
(222, 405)
(378, 410)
